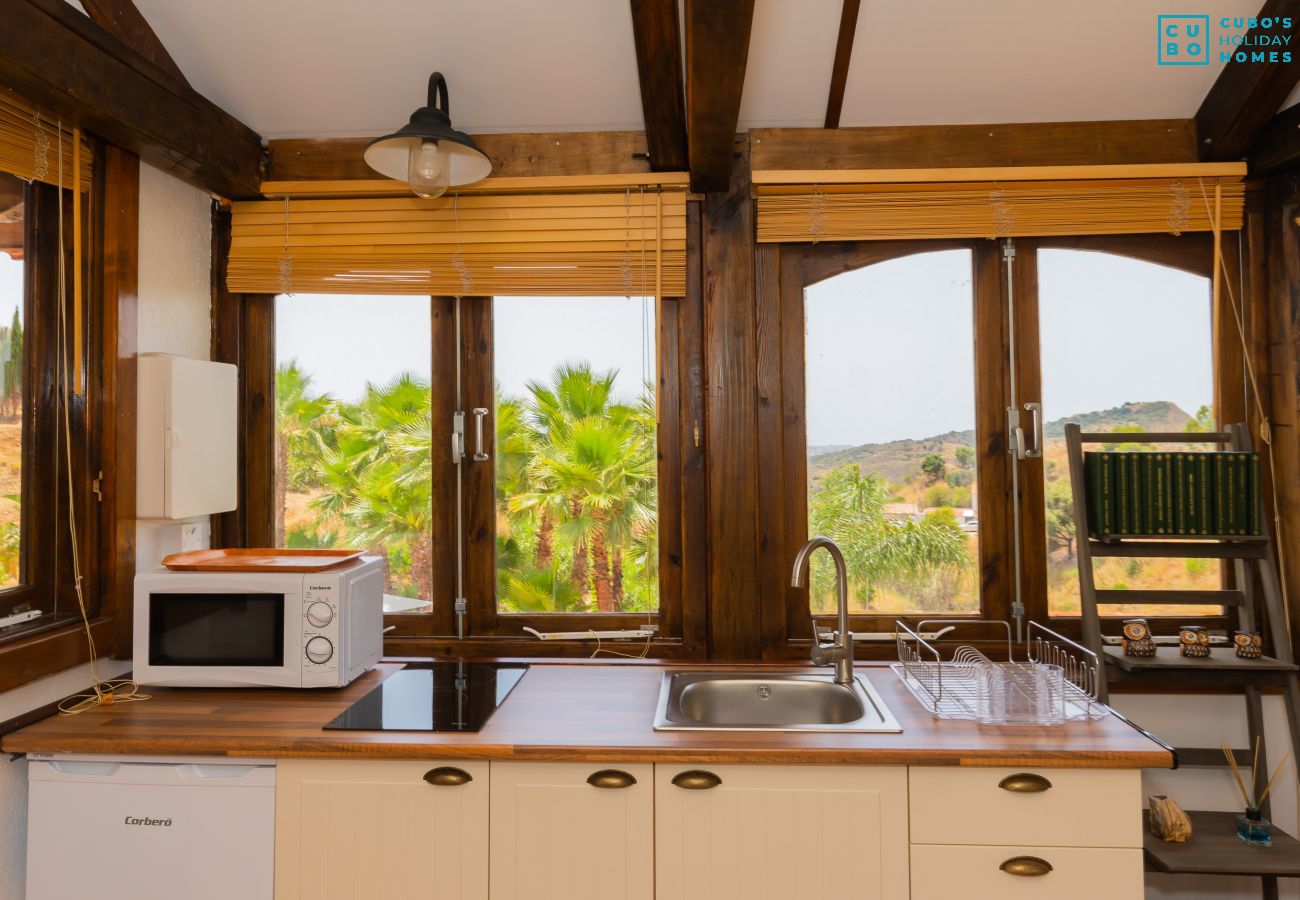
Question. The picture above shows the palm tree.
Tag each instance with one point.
(849, 508)
(592, 474)
(298, 415)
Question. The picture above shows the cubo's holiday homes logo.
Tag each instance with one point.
(1183, 40)
(1189, 40)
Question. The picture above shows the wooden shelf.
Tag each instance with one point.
(1215, 849)
(1221, 659)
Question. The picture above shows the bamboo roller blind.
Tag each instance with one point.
(29, 146)
(623, 242)
(807, 212)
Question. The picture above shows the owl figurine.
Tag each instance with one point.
(1193, 641)
(1137, 638)
(1248, 644)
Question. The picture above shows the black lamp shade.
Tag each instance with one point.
(390, 154)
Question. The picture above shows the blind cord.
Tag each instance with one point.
(100, 693)
(1265, 427)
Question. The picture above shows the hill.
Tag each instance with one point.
(896, 460)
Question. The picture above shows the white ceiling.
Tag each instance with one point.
(342, 67)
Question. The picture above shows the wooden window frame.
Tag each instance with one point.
(786, 270)
(244, 334)
(101, 452)
(1192, 253)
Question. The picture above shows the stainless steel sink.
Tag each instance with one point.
(745, 700)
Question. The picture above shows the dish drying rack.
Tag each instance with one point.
(1057, 683)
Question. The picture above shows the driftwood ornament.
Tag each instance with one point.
(1167, 820)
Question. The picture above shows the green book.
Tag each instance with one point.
(1093, 490)
(1255, 526)
(1123, 499)
(1179, 494)
(1137, 516)
(1205, 492)
(1160, 493)
(1220, 494)
(1107, 524)
(1232, 493)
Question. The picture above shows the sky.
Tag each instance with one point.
(889, 347)
(11, 288)
(345, 341)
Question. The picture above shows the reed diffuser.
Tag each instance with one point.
(1252, 827)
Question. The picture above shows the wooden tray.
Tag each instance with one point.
(258, 559)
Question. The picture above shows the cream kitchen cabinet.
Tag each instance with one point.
(776, 832)
(572, 831)
(381, 830)
(1068, 834)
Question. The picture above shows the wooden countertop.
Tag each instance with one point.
(599, 713)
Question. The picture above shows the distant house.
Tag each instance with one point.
(902, 513)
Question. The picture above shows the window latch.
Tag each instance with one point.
(457, 437)
(97, 485)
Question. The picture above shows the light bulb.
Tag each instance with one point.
(428, 171)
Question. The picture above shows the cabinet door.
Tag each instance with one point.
(378, 830)
(1058, 873)
(557, 836)
(776, 832)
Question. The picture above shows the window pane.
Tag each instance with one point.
(353, 463)
(890, 428)
(1125, 347)
(576, 461)
(12, 365)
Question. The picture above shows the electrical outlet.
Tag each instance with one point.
(191, 536)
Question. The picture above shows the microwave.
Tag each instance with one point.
(259, 629)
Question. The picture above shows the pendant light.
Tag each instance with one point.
(427, 153)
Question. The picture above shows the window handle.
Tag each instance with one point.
(480, 413)
(1036, 414)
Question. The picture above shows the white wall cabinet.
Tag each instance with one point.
(776, 832)
(558, 836)
(377, 830)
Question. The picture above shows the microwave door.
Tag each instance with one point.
(208, 635)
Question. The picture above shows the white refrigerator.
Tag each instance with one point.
(121, 828)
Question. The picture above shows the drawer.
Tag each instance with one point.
(1053, 808)
(1077, 873)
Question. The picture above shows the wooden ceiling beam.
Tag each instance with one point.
(657, 33)
(1246, 95)
(843, 55)
(122, 20)
(957, 146)
(1278, 146)
(512, 155)
(72, 69)
(717, 50)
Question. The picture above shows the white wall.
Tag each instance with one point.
(175, 303)
(174, 317)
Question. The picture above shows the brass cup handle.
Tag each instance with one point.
(447, 776)
(696, 780)
(611, 779)
(1025, 783)
(1026, 866)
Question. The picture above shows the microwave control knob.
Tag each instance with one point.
(319, 650)
(320, 614)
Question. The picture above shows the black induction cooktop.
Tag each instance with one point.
(435, 696)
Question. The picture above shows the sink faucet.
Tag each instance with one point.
(840, 650)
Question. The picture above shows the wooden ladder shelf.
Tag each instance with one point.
(1254, 564)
